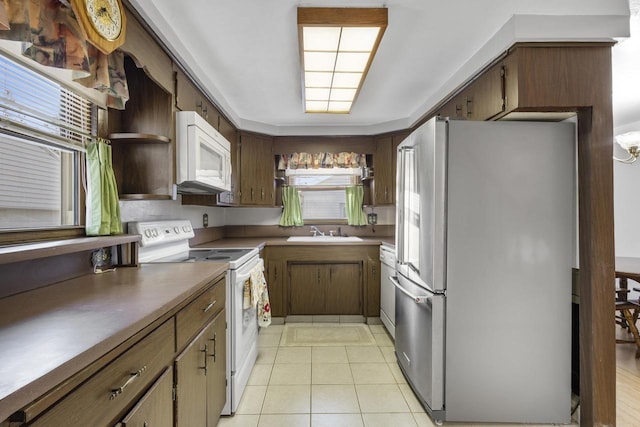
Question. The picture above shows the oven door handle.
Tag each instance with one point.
(240, 278)
(418, 299)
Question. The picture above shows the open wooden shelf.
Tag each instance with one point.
(145, 197)
(139, 138)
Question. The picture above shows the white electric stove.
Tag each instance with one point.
(168, 241)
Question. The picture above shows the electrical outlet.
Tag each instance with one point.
(101, 258)
(205, 220)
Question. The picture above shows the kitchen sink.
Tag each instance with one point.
(331, 239)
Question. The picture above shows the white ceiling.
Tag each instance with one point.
(245, 53)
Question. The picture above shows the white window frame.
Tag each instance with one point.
(309, 217)
(44, 114)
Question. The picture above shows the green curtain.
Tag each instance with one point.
(103, 210)
(355, 198)
(292, 212)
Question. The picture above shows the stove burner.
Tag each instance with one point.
(228, 251)
(217, 258)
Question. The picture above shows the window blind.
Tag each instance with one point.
(30, 175)
(35, 106)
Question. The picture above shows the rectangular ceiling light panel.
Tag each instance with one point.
(337, 46)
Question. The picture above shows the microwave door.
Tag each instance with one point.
(210, 161)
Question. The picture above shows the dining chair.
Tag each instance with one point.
(627, 311)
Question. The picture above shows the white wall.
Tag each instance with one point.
(626, 194)
(149, 210)
(271, 216)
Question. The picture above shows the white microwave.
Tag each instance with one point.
(203, 156)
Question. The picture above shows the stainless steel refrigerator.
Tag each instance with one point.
(485, 243)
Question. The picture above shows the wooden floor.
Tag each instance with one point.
(627, 384)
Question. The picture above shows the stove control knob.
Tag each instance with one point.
(154, 232)
(147, 233)
(186, 228)
(176, 229)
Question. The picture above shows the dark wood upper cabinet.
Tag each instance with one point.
(485, 97)
(257, 187)
(190, 98)
(383, 172)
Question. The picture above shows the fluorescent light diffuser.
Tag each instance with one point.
(337, 46)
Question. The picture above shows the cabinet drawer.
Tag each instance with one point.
(193, 317)
(96, 402)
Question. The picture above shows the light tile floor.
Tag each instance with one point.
(351, 386)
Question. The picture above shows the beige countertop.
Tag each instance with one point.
(49, 334)
(261, 242)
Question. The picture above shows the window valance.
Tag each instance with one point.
(51, 36)
(321, 160)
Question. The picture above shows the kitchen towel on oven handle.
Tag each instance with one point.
(256, 295)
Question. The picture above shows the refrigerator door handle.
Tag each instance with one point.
(402, 183)
(413, 267)
(418, 299)
(400, 207)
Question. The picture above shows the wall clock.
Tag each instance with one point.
(103, 22)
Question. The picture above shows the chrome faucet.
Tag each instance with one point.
(315, 231)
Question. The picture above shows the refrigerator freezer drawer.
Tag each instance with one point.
(420, 341)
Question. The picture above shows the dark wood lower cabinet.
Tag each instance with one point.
(307, 288)
(276, 272)
(155, 409)
(216, 368)
(200, 377)
(344, 289)
(325, 288)
(191, 384)
(323, 279)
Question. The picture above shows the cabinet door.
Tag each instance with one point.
(216, 368)
(343, 288)
(155, 409)
(383, 172)
(257, 165)
(307, 290)
(456, 108)
(229, 132)
(485, 96)
(187, 95)
(209, 112)
(191, 384)
(275, 282)
(372, 283)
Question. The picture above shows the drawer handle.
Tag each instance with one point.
(207, 308)
(117, 391)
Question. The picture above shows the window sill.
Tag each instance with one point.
(31, 251)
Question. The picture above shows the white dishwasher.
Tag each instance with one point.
(387, 289)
